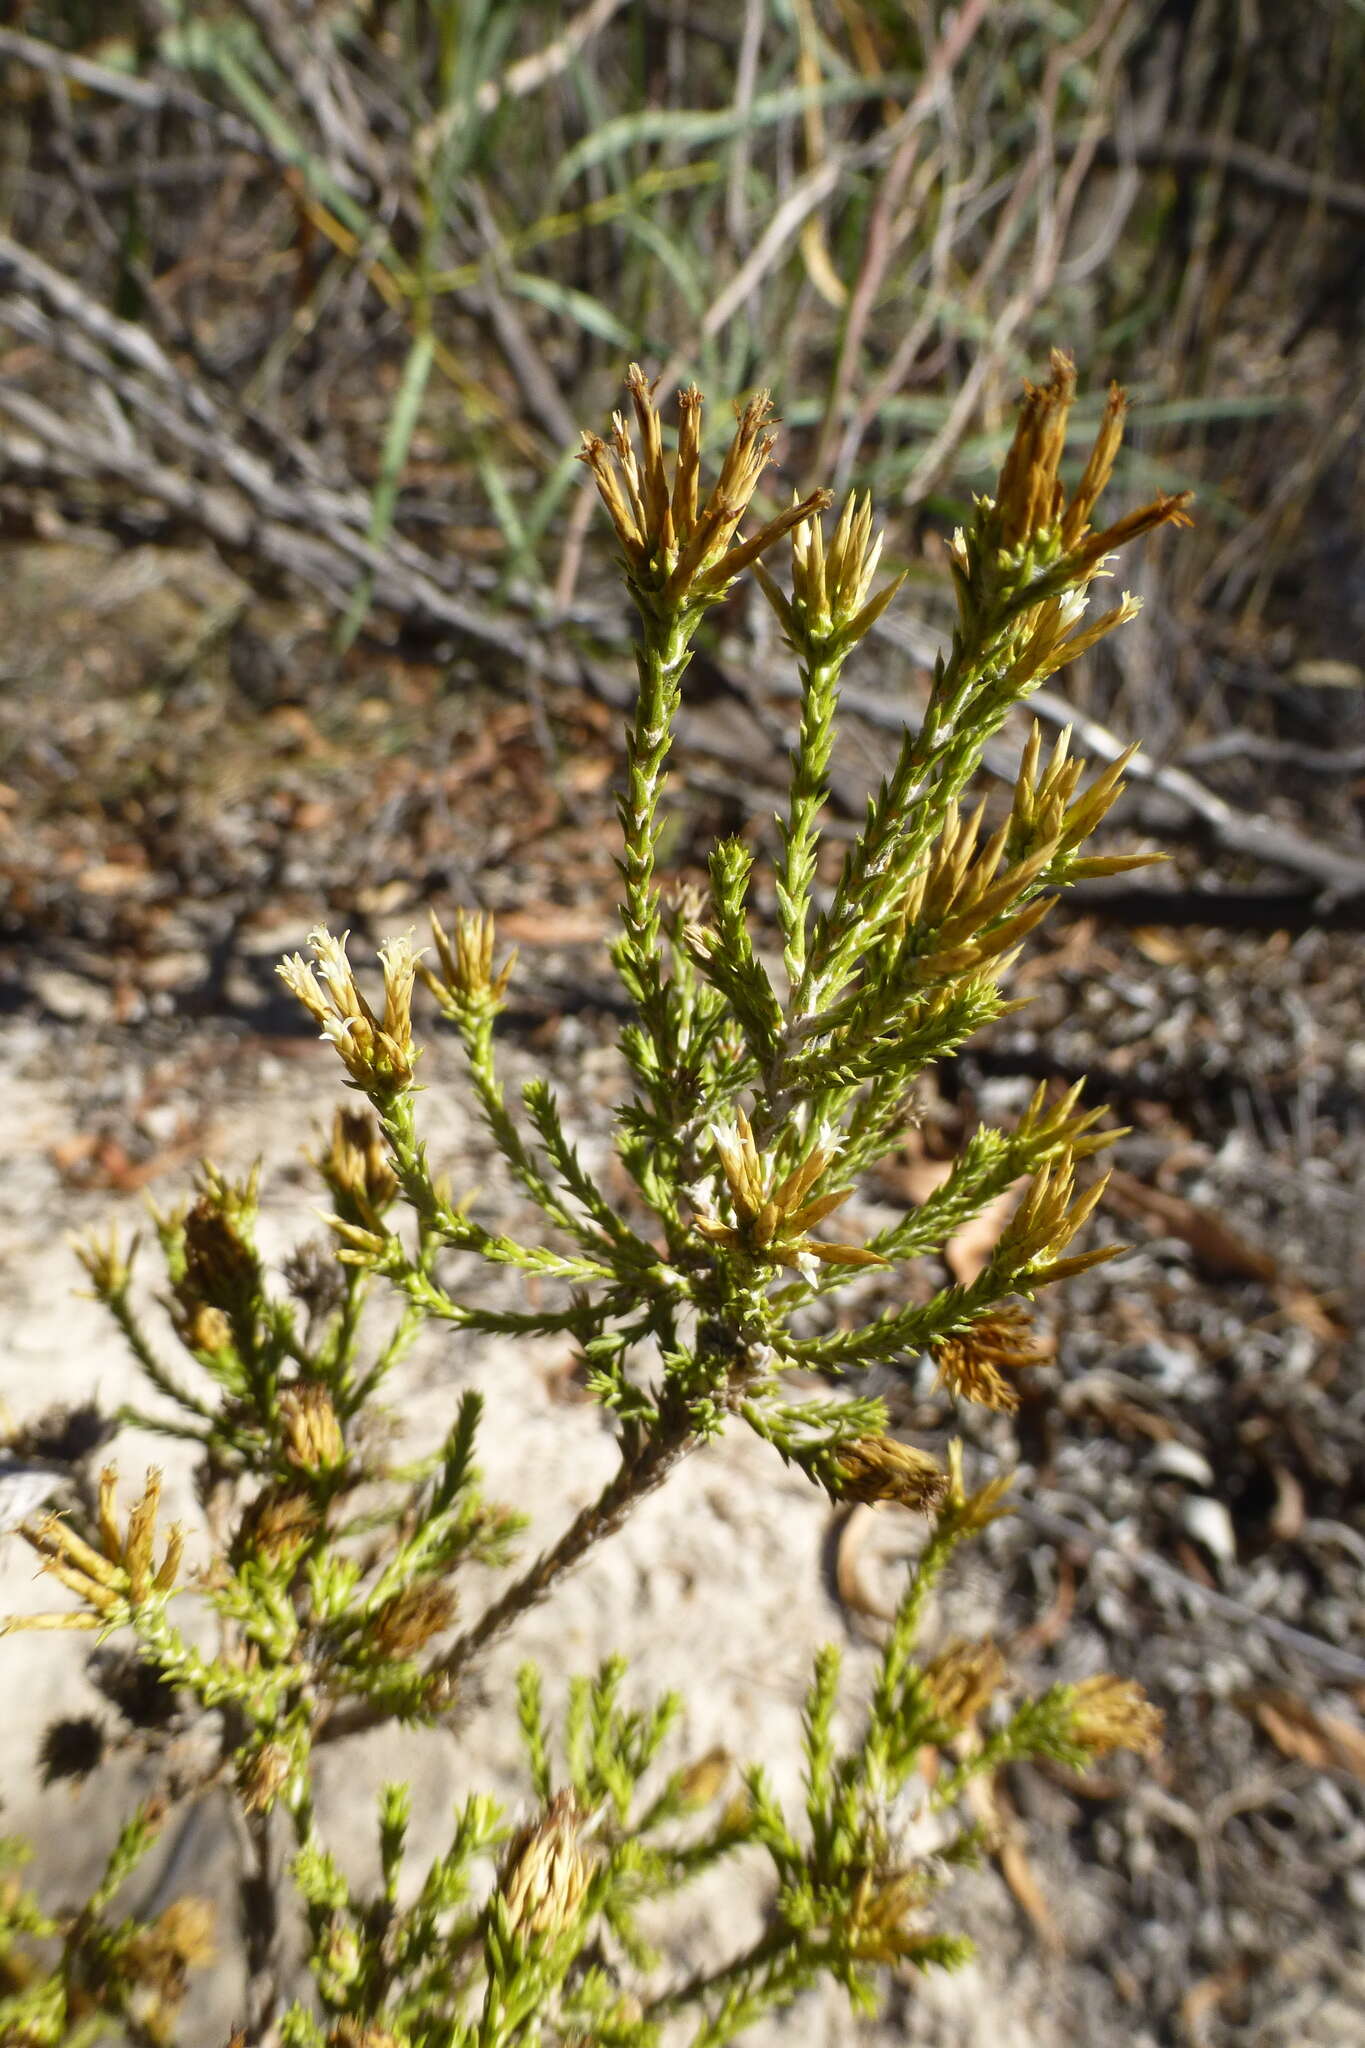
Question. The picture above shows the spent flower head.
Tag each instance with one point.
(879, 1468)
(467, 983)
(376, 1050)
(1108, 1713)
(973, 1362)
(1031, 501)
(115, 1576)
(680, 552)
(547, 1871)
(773, 1222)
(832, 605)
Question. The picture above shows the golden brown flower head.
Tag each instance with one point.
(546, 1872)
(962, 1680)
(411, 1618)
(356, 1168)
(467, 981)
(773, 1223)
(120, 1572)
(1109, 1713)
(262, 1776)
(831, 606)
(1049, 807)
(1030, 499)
(221, 1268)
(678, 551)
(277, 1527)
(974, 1361)
(878, 1928)
(377, 1052)
(876, 1468)
(160, 1957)
(1032, 1244)
(312, 1435)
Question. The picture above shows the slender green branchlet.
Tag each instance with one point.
(778, 1028)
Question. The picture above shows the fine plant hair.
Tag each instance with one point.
(763, 1082)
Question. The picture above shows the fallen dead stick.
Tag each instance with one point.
(316, 533)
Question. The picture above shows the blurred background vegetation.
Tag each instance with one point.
(376, 263)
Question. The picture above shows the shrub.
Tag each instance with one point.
(759, 1093)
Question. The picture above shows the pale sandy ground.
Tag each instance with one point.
(716, 1586)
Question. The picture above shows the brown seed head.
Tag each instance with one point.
(263, 1776)
(774, 1218)
(356, 1167)
(875, 1468)
(678, 550)
(973, 1363)
(1030, 501)
(962, 1680)
(466, 980)
(277, 1527)
(1109, 1713)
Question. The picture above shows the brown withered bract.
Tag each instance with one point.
(1030, 498)
(312, 1435)
(407, 1622)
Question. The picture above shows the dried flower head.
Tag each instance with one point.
(1030, 499)
(277, 1527)
(962, 1680)
(1050, 808)
(832, 605)
(1032, 1244)
(263, 1775)
(410, 1619)
(312, 1435)
(221, 1268)
(120, 1574)
(355, 1165)
(546, 1871)
(1109, 1713)
(679, 552)
(973, 1362)
(467, 981)
(876, 1468)
(877, 1929)
(160, 1957)
(377, 1052)
(773, 1224)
